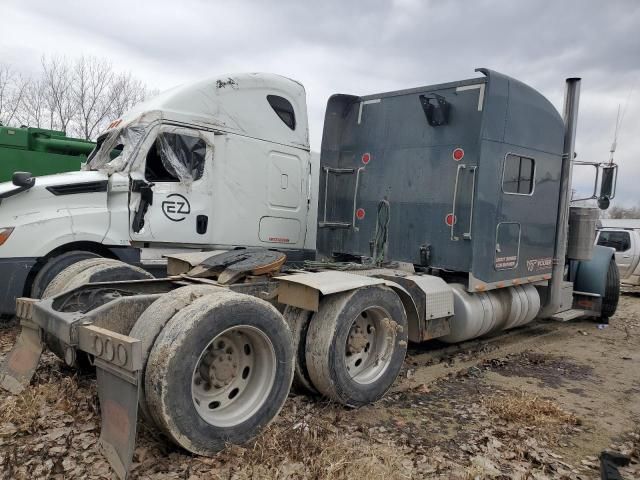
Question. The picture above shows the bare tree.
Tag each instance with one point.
(34, 110)
(57, 75)
(127, 91)
(80, 97)
(12, 89)
(622, 212)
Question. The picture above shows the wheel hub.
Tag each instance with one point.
(220, 367)
(233, 376)
(369, 345)
(358, 339)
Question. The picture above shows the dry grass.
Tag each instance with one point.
(312, 448)
(528, 409)
(58, 396)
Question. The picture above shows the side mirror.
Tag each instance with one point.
(23, 179)
(608, 185)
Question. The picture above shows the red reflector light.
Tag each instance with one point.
(450, 219)
(366, 158)
(360, 213)
(458, 154)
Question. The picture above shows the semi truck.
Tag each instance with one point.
(438, 212)
(40, 151)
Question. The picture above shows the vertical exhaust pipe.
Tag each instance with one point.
(570, 116)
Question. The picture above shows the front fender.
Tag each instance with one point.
(590, 276)
(40, 236)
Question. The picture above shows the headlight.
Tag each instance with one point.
(4, 234)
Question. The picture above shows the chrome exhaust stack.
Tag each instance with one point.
(570, 116)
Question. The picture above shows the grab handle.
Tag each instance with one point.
(467, 235)
(455, 196)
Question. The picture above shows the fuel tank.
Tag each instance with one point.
(478, 314)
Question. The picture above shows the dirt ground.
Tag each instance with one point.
(539, 402)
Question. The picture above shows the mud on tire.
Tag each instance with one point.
(202, 341)
(54, 266)
(152, 321)
(299, 320)
(356, 345)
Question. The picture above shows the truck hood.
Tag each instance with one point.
(58, 210)
(61, 183)
(51, 193)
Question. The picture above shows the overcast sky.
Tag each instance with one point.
(361, 48)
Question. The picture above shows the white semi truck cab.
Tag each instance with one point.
(212, 165)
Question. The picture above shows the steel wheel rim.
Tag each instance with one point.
(233, 376)
(369, 345)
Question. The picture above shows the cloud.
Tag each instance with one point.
(362, 48)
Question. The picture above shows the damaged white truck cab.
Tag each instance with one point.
(194, 168)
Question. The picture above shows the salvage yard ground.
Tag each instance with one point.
(539, 402)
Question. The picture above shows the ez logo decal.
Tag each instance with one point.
(176, 207)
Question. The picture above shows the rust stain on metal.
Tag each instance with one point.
(116, 423)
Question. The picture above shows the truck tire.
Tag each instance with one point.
(356, 345)
(298, 321)
(152, 321)
(219, 371)
(54, 266)
(94, 270)
(87, 271)
(612, 291)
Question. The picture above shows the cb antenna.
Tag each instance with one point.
(619, 119)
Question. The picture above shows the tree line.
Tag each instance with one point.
(80, 97)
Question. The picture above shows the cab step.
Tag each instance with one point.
(570, 314)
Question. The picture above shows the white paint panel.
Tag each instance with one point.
(279, 230)
(285, 180)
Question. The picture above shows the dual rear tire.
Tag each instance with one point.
(353, 348)
(219, 369)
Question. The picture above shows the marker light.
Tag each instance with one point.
(4, 234)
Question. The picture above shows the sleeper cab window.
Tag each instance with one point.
(283, 109)
(174, 158)
(518, 176)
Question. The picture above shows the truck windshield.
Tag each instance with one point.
(113, 150)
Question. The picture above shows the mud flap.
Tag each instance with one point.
(118, 394)
(21, 362)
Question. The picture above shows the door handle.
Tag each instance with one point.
(146, 199)
(626, 256)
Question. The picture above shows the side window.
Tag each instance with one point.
(175, 158)
(283, 109)
(621, 241)
(518, 175)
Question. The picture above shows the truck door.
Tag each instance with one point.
(171, 195)
(515, 213)
(625, 246)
